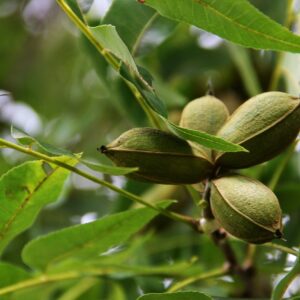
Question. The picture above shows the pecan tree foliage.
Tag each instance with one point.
(202, 198)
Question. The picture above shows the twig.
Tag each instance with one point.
(206, 275)
(220, 239)
(282, 248)
(110, 59)
(172, 215)
(43, 279)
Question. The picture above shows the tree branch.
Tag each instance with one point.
(54, 160)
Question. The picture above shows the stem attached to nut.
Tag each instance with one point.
(219, 237)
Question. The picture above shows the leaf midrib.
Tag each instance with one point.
(249, 29)
(84, 244)
(6, 227)
(244, 27)
(211, 140)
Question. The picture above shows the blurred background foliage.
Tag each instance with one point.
(53, 87)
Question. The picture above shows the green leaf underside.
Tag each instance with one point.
(25, 139)
(176, 296)
(86, 241)
(237, 21)
(205, 139)
(24, 190)
(108, 169)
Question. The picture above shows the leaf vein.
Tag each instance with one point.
(244, 27)
(6, 227)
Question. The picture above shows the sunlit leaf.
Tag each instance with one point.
(237, 21)
(111, 41)
(24, 190)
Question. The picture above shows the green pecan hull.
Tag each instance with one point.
(265, 125)
(246, 209)
(161, 157)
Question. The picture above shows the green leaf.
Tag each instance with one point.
(108, 37)
(86, 241)
(176, 296)
(143, 85)
(117, 292)
(155, 103)
(205, 139)
(109, 264)
(120, 12)
(25, 139)
(79, 288)
(107, 40)
(24, 190)
(22, 137)
(283, 284)
(10, 274)
(237, 21)
(108, 169)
